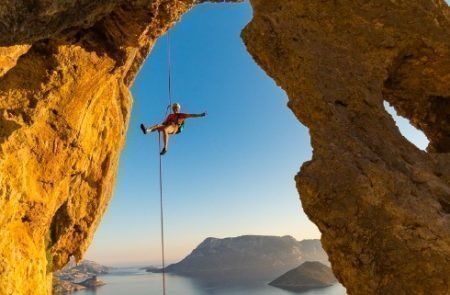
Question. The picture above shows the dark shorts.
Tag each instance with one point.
(180, 128)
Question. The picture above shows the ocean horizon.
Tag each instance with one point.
(136, 281)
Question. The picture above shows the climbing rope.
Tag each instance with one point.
(169, 71)
(161, 206)
(161, 203)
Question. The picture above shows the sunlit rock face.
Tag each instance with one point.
(65, 71)
(381, 204)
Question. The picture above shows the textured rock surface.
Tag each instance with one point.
(381, 204)
(65, 69)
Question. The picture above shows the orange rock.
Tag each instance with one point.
(381, 204)
(64, 109)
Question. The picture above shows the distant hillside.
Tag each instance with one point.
(92, 267)
(248, 257)
(85, 269)
(309, 275)
(76, 277)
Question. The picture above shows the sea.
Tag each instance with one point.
(139, 282)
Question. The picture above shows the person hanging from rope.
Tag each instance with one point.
(173, 124)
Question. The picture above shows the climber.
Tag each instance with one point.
(173, 124)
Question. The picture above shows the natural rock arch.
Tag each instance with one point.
(381, 204)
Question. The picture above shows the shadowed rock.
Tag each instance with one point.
(381, 204)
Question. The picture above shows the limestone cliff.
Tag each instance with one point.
(381, 204)
(65, 70)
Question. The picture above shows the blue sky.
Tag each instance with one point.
(229, 174)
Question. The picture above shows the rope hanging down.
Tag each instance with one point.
(169, 71)
(163, 258)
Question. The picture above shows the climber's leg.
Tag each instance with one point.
(166, 130)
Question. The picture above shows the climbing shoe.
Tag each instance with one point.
(164, 150)
(144, 130)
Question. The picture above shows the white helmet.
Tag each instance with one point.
(176, 105)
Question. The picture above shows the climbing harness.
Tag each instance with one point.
(180, 126)
(177, 120)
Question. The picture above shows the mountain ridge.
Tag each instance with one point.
(247, 257)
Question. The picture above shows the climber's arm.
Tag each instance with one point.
(195, 115)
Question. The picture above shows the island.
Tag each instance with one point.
(74, 277)
(309, 275)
